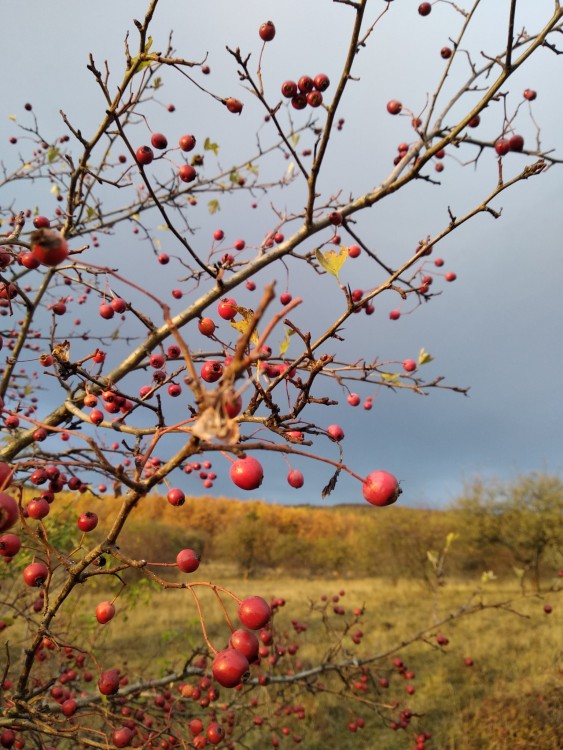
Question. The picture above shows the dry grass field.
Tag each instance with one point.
(509, 699)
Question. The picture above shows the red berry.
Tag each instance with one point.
(206, 327)
(321, 82)
(295, 479)
(394, 107)
(289, 89)
(176, 497)
(502, 146)
(409, 365)
(247, 473)
(122, 736)
(424, 9)
(516, 143)
(48, 247)
(354, 251)
(305, 84)
(450, 276)
(187, 173)
(144, 155)
(106, 311)
(214, 734)
(187, 560)
(9, 512)
(41, 222)
(211, 371)
(158, 140)
(38, 508)
(446, 53)
(234, 105)
(187, 142)
(314, 99)
(336, 432)
(299, 101)
(381, 488)
(530, 94)
(104, 612)
(108, 683)
(229, 667)
(267, 31)
(87, 521)
(254, 612)
(227, 308)
(10, 545)
(35, 574)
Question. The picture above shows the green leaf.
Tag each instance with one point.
(145, 64)
(433, 557)
(157, 83)
(210, 146)
(52, 154)
(451, 537)
(424, 357)
(234, 176)
(331, 260)
(295, 139)
(487, 576)
(213, 206)
(251, 168)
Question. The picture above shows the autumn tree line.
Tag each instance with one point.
(513, 529)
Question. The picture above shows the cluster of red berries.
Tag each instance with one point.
(514, 143)
(145, 154)
(307, 91)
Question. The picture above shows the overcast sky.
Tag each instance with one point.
(497, 329)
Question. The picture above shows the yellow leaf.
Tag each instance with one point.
(242, 326)
(331, 260)
(424, 357)
(284, 346)
(12, 118)
(390, 377)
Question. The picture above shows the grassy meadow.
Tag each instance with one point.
(405, 571)
(509, 699)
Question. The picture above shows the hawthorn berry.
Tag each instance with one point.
(381, 488)
(144, 155)
(187, 142)
(9, 512)
(530, 94)
(234, 105)
(227, 308)
(516, 143)
(247, 473)
(87, 521)
(158, 140)
(254, 612)
(187, 173)
(48, 247)
(394, 107)
(176, 497)
(211, 371)
(187, 560)
(289, 89)
(295, 479)
(321, 82)
(35, 574)
(229, 667)
(104, 612)
(246, 642)
(267, 31)
(424, 9)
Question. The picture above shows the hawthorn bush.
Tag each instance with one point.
(191, 354)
